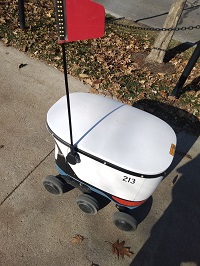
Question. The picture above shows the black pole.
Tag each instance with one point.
(72, 156)
(187, 70)
(67, 94)
(21, 14)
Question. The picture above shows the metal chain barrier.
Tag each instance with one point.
(150, 28)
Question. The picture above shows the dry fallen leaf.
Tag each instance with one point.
(57, 58)
(126, 251)
(174, 180)
(22, 65)
(5, 41)
(2, 20)
(83, 75)
(77, 239)
(93, 90)
(187, 155)
(48, 14)
(171, 98)
(25, 48)
(119, 249)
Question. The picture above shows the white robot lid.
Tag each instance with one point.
(122, 135)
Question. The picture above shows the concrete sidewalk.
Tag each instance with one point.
(36, 227)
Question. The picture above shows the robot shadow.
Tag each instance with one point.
(174, 238)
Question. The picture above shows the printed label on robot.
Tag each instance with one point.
(130, 180)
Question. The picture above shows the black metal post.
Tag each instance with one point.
(67, 93)
(187, 70)
(72, 156)
(21, 14)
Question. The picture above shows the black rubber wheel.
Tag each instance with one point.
(87, 204)
(124, 221)
(53, 185)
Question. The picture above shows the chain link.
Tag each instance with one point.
(159, 49)
(150, 28)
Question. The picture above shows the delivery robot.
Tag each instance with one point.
(102, 146)
(119, 152)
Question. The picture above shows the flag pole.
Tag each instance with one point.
(72, 156)
(67, 95)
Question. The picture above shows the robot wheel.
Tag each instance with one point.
(87, 204)
(124, 221)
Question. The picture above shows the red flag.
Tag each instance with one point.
(79, 20)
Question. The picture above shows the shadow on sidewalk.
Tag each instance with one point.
(174, 239)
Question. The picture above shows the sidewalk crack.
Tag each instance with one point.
(26, 177)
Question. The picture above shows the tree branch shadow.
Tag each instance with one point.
(171, 53)
(187, 10)
(192, 86)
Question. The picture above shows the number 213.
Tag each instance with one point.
(130, 180)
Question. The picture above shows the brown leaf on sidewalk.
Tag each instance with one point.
(119, 249)
(77, 239)
(22, 65)
(175, 179)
